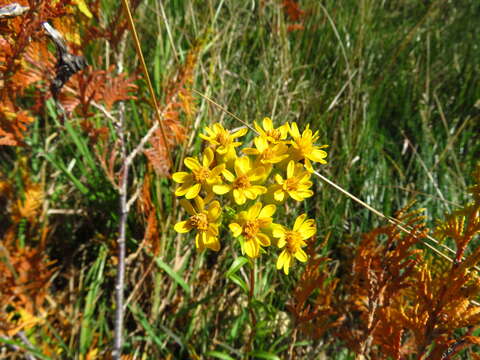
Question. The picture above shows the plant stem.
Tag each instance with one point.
(120, 281)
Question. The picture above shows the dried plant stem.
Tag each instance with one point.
(120, 281)
(138, 49)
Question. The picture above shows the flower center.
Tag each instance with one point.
(291, 184)
(274, 133)
(201, 175)
(241, 182)
(294, 241)
(268, 154)
(250, 229)
(304, 147)
(199, 222)
(222, 138)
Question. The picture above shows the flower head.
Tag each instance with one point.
(250, 224)
(269, 133)
(293, 240)
(221, 140)
(241, 184)
(268, 153)
(304, 148)
(204, 221)
(202, 175)
(296, 185)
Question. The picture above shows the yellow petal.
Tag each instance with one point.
(267, 123)
(261, 144)
(182, 227)
(200, 204)
(318, 155)
(267, 211)
(242, 166)
(228, 175)
(279, 195)
(188, 207)
(278, 231)
(258, 190)
(239, 133)
(239, 196)
(236, 229)
(254, 210)
(192, 163)
(193, 191)
(182, 190)
(299, 221)
(200, 241)
(181, 177)
(221, 189)
(208, 156)
(214, 211)
(263, 239)
(290, 169)
(251, 248)
(284, 261)
(294, 130)
(279, 180)
(301, 256)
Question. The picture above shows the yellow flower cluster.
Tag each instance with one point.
(276, 169)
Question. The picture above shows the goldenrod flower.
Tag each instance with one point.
(250, 224)
(221, 140)
(204, 221)
(202, 175)
(269, 133)
(296, 185)
(242, 182)
(304, 148)
(267, 153)
(293, 241)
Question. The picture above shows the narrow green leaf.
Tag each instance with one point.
(219, 355)
(239, 281)
(264, 355)
(236, 265)
(174, 275)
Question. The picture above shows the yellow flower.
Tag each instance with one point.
(293, 241)
(304, 148)
(204, 221)
(296, 185)
(250, 224)
(267, 153)
(221, 140)
(269, 133)
(202, 175)
(241, 184)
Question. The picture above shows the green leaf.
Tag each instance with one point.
(239, 281)
(264, 355)
(219, 355)
(236, 265)
(174, 275)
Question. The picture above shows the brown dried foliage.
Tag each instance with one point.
(395, 300)
(19, 37)
(295, 15)
(25, 272)
(178, 101)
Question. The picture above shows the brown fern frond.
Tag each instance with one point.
(118, 88)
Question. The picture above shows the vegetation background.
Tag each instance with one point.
(392, 86)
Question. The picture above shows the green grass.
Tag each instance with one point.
(375, 78)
